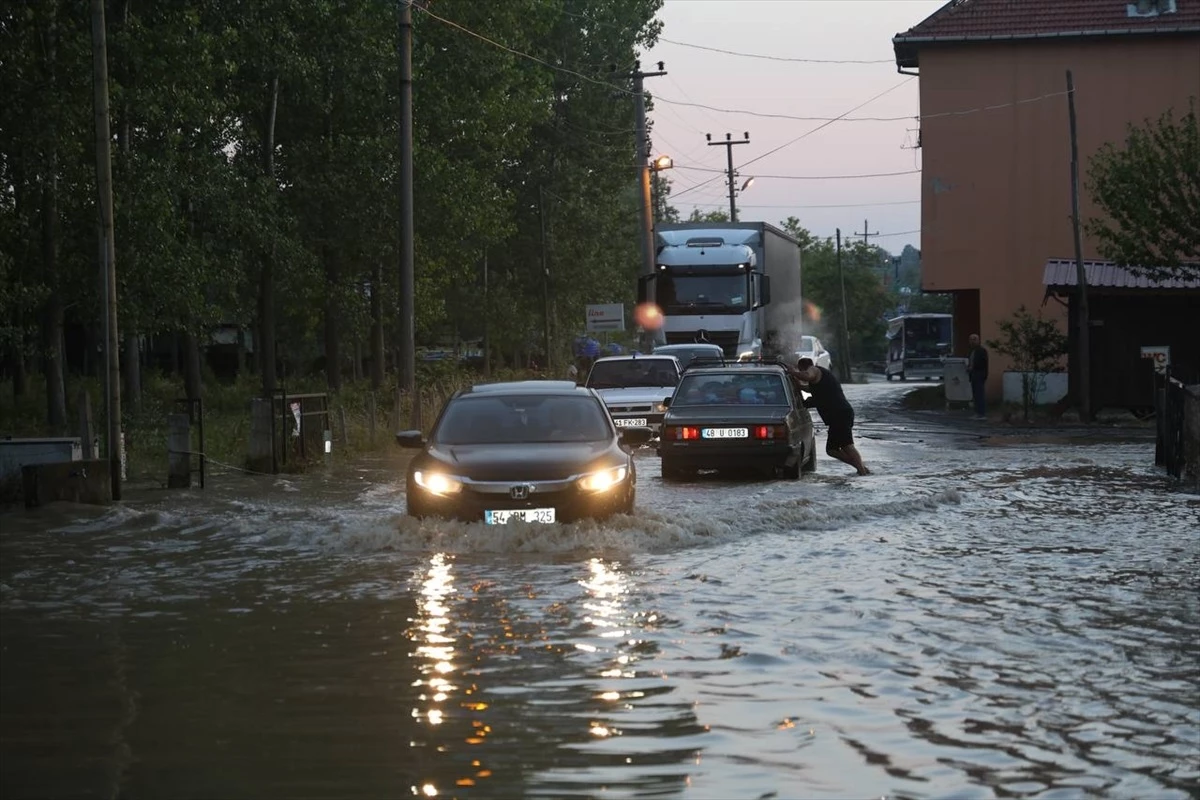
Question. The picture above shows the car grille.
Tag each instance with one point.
(642, 409)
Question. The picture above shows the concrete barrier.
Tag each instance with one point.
(73, 481)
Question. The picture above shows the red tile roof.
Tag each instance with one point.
(996, 18)
(1061, 272)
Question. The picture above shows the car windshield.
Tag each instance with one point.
(633, 372)
(807, 344)
(522, 419)
(730, 389)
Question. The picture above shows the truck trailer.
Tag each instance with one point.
(734, 284)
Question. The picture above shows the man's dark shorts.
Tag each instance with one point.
(840, 424)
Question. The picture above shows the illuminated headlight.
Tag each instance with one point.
(602, 481)
(745, 355)
(660, 408)
(437, 483)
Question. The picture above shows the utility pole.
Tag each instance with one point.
(865, 234)
(487, 316)
(844, 350)
(643, 163)
(729, 173)
(112, 354)
(545, 276)
(408, 359)
(1083, 317)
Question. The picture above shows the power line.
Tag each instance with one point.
(808, 177)
(811, 131)
(824, 205)
(777, 58)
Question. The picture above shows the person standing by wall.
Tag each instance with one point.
(977, 371)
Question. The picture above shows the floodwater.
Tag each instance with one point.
(976, 619)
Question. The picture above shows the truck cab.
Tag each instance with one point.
(713, 284)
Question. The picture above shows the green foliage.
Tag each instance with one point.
(1150, 193)
(1036, 347)
(716, 215)
(202, 202)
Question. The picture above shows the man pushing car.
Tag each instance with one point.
(826, 396)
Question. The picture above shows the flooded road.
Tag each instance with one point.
(979, 618)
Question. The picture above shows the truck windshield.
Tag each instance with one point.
(703, 294)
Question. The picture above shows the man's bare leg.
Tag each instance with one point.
(850, 455)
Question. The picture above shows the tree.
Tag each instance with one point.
(1150, 193)
(717, 215)
(1036, 347)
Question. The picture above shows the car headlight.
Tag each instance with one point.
(437, 483)
(660, 408)
(602, 481)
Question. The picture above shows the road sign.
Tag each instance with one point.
(1161, 357)
(606, 317)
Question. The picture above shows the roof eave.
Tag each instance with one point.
(907, 48)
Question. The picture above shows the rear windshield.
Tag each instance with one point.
(522, 418)
(808, 344)
(634, 372)
(730, 389)
(686, 355)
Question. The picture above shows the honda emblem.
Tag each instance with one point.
(519, 492)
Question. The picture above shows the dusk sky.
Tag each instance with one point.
(829, 30)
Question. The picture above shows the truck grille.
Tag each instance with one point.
(726, 340)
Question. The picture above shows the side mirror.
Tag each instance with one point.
(666, 402)
(411, 440)
(635, 435)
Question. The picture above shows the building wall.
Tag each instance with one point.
(996, 188)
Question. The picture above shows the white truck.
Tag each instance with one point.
(734, 284)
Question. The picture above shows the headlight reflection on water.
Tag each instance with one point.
(436, 653)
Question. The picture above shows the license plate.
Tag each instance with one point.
(725, 433)
(519, 515)
(640, 422)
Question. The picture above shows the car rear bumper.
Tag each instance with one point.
(726, 455)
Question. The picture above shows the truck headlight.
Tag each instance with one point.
(602, 481)
(746, 355)
(437, 483)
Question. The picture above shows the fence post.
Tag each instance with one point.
(261, 457)
(371, 418)
(86, 436)
(179, 457)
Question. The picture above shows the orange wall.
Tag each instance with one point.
(996, 184)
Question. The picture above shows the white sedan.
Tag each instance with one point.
(811, 347)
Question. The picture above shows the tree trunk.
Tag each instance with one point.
(192, 386)
(357, 371)
(131, 369)
(333, 372)
(52, 311)
(377, 351)
(266, 285)
(20, 378)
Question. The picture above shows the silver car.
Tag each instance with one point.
(811, 347)
(633, 387)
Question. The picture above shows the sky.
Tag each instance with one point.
(838, 30)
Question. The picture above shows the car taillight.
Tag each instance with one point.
(682, 432)
(769, 431)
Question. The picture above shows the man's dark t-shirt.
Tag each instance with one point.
(827, 396)
(977, 362)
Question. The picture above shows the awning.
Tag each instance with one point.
(1062, 272)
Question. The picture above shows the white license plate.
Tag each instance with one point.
(725, 433)
(518, 514)
(640, 422)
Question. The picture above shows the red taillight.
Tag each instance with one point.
(769, 431)
(689, 433)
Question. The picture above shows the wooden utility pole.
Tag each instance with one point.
(643, 164)
(104, 191)
(729, 173)
(408, 330)
(545, 276)
(1083, 317)
(844, 350)
(865, 233)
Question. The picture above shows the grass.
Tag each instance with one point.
(227, 414)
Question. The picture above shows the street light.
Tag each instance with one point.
(746, 185)
(663, 162)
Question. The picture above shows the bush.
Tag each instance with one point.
(1036, 347)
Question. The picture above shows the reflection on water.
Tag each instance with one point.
(979, 624)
